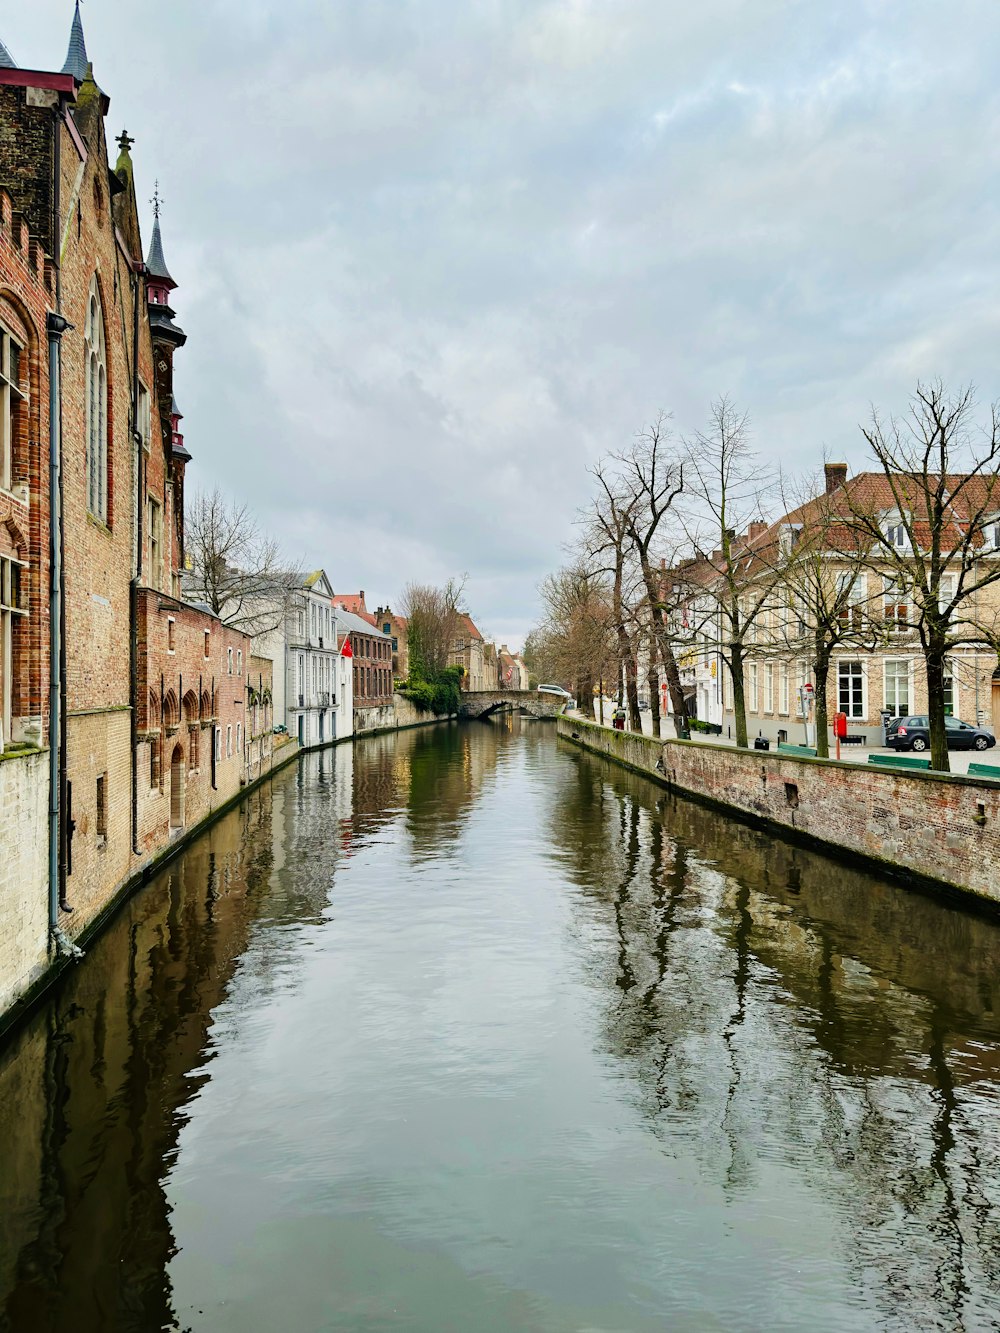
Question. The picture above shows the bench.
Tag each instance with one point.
(984, 771)
(898, 761)
(801, 750)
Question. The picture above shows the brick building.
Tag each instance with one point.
(148, 730)
(398, 628)
(373, 677)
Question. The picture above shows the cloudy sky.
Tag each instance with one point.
(435, 256)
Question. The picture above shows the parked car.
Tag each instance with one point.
(559, 692)
(913, 733)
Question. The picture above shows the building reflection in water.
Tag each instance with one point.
(764, 1005)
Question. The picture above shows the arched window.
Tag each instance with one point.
(97, 409)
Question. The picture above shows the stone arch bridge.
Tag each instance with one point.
(481, 703)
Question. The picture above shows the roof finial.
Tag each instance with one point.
(156, 201)
(124, 141)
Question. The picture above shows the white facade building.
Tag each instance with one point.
(313, 673)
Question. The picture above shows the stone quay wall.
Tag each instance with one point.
(941, 830)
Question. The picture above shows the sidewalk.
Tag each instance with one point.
(850, 754)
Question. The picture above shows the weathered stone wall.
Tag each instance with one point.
(932, 826)
(24, 846)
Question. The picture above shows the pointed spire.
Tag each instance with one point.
(76, 55)
(7, 61)
(155, 262)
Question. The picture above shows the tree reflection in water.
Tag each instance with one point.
(775, 1005)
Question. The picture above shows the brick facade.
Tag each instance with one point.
(157, 692)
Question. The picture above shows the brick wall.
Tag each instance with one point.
(940, 827)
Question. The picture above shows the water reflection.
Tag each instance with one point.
(858, 1031)
(462, 1029)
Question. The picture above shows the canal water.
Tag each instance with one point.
(464, 1031)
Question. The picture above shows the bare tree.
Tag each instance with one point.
(826, 606)
(577, 639)
(433, 616)
(653, 473)
(928, 523)
(235, 568)
(730, 488)
(607, 541)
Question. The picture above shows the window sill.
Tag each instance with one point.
(98, 523)
(21, 496)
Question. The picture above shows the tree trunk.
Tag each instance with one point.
(739, 695)
(934, 661)
(821, 670)
(653, 685)
(632, 692)
(661, 638)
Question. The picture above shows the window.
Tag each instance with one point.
(783, 696)
(97, 409)
(229, 742)
(239, 737)
(102, 810)
(11, 608)
(895, 535)
(218, 744)
(897, 687)
(208, 642)
(896, 606)
(142, 417)
(10, 406)
(171, 634)
(946, 591)
(193, 733)
(301, 623)
(239, 661)
(769, 687)
(852, 592)
(754, 695)
(851, 689)
(154, 761)
(949, 690)
(154, 533)
(229, 660)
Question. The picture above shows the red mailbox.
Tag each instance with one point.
(840, 725)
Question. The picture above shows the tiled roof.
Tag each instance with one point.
(467, 622)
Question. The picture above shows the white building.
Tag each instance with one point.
(313, 672)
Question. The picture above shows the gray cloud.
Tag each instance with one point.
(435, 257)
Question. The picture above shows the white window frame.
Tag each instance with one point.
(897, 676)
(10, 397)
(850, 677)
(783, 689)
(11, 605)
(768, 687)
(229, 661)
(229, 741)
(754, 688)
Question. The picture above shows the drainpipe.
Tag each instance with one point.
(133, 629)
(56, 326)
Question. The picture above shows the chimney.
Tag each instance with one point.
(756, 530)
(361, 597)
(836, 476)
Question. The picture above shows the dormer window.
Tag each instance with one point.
(895, 535)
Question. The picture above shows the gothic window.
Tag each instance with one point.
(97, 409)
(10, 609)
(10, 406)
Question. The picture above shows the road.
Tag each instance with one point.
(959, 759)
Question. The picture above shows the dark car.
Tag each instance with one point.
(913, 733)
